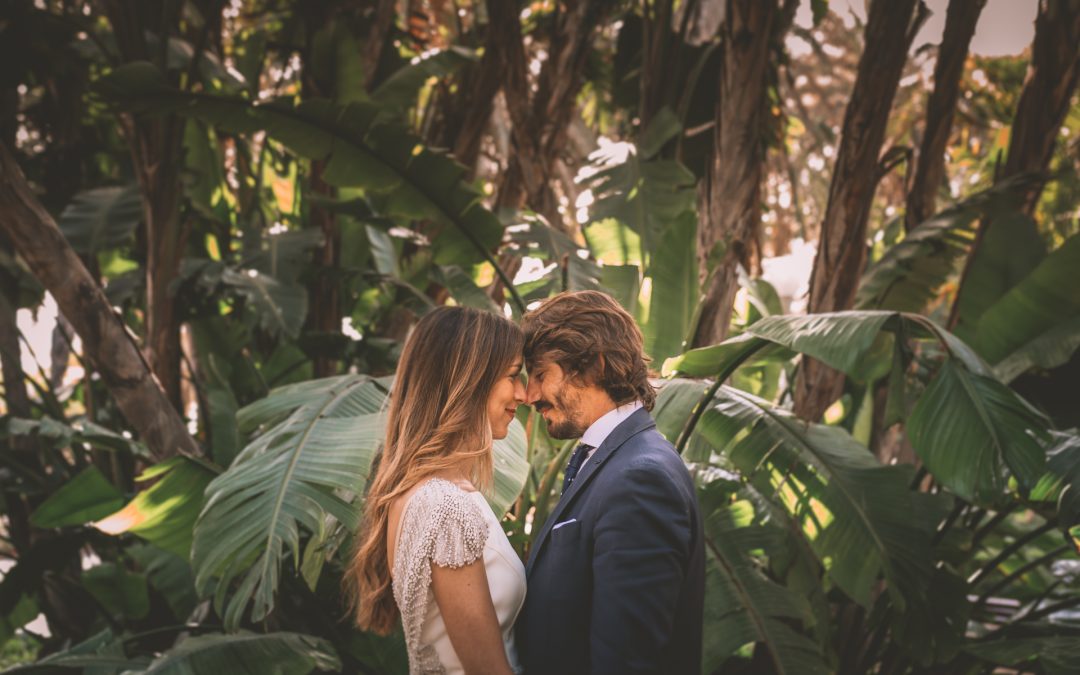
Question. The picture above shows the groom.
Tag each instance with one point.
(616, 576)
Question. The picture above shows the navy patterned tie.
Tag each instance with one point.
(576, 460)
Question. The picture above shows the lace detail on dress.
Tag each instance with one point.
(440, 525)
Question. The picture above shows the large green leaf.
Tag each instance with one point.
(1045, 299)
(463, 289)
(1061, 484)
(743, 605)
(674, 295)
(848, 341)
(119, 591)
(398, 92)
(247, 653)
(965, 425)
(1057, 654)
(102, 218)
(511, 469)
(361, 150)
(847, 501)
(170, 575)
(164, 513)
(623, 282)
(315, 447)
(912, 272)
(723, 357)
(1049, 350)
(284, 255)
(646, 195)
(1011, 248)
(222, 405)
(281, 308)
(100, 654)
(88, 496)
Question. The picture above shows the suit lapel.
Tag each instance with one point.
(639, 421)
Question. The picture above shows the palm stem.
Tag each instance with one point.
(1009, 550)
(1020, 571)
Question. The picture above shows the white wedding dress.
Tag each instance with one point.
(444, 525)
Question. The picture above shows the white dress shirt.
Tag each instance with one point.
(599, 430)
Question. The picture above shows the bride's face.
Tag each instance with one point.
(507, 394)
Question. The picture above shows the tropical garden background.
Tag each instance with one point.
(220, 219)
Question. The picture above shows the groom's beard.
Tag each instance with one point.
(571, 426)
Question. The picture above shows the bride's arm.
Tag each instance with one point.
(464, 600)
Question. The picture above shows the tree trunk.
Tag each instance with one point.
(503, 66)
(17, 404)
(1051, 80)
(731, 207)
(382, 19)
(940, 108)
(106, 342)
(1048, 89)
(540, 122)
(157, 155)
(890, 28)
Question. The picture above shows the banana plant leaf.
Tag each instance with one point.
(316, 443)
(1057, 654)
(120, 592)
(360, 148)
(987, 426)
(462, 288)
(743, 605)
(281, 307)
(966, 425)
(88, 496)
(247, 653)
(164, 514)
(397, 93)
(674, 289)
(1049, 350)
(1047, 298)
(845, 499)
(1011, 249)
(912, 272)
(645, 194)
(102, 218)
(1061, 484)
(168, 574)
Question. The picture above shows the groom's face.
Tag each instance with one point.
(557, 398)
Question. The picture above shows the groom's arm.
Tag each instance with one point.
(641, 547)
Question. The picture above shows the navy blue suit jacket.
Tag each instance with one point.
(618, 586)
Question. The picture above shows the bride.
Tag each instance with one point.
(430, 549)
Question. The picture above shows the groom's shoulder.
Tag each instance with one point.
(648, 452)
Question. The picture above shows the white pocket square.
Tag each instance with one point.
(565, 522)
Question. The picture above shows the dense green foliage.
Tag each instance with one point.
(929, 523)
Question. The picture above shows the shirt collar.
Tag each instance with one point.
(598, 432)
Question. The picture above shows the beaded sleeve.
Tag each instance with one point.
(441, 525)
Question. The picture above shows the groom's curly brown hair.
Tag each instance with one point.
(593, 339)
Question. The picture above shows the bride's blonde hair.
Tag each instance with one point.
(437, 421)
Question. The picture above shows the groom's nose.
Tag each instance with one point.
(532, 392)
